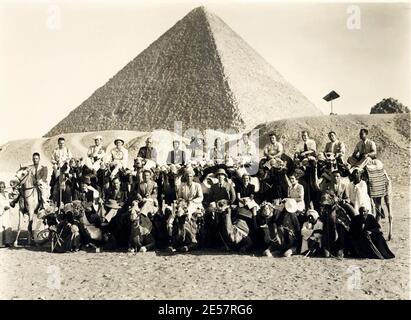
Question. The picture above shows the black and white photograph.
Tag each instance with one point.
(205, 150)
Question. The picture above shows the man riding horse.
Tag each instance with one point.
(38, 174)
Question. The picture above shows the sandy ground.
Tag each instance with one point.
(32, 274)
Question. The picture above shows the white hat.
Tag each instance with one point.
(313, 213)
(291, 205)
(98, 137)
(119, 139)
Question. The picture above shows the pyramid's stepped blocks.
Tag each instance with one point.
(199, 72)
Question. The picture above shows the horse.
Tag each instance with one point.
(29, 203)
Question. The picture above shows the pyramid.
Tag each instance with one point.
(199, 72)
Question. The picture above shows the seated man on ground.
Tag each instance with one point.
(311, 233)
(245, 196)
(283, 235)
(235, 230)
(222, 190)
(368, 240)
(191, 194)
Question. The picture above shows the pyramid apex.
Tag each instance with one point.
(200, 9)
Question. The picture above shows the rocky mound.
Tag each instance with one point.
(389, 105)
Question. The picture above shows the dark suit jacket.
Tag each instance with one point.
(179, 158)
(147, 190)
(226, 192)
(120, 196)
(41, 173)
(147, 153)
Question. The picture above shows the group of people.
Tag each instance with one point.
(279, 204)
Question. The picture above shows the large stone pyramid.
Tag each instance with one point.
(199, 72)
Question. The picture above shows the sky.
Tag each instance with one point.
(55, 54)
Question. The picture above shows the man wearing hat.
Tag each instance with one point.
(222, 190)
(289, 226)
(95, 154)
(119, 155)
(191, 192)
(176, 156)
(90, 199)
(146, 194)
(364, 152)
(148, 151)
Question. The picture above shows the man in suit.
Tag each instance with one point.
(335, 147)
(176, 156)
(222, 190)
(148, 151)
(340, 189)
(307, 147)
(115, 192)
(90, 199)
(364, 152)
(88, 195)
(39, 175)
